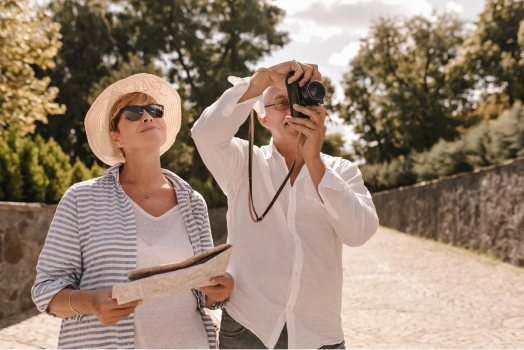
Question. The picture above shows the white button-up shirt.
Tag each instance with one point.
(288, 267)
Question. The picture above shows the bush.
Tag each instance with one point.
(213, 195)
(35, 170)
(379, 177)
(485, 144)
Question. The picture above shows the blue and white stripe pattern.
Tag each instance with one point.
(91, 245)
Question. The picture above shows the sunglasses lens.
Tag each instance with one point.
(133, 113)
(156, 111)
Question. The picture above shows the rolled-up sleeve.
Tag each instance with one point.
(60, 263)
(348, 203)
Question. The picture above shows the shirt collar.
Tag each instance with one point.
(271, 148)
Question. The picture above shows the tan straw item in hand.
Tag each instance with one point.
(97, 118)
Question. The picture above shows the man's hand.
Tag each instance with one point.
(313, 129)
(107, 310)
(220, 291)
(276, 76)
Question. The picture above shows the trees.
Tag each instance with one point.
(87, 54)
(486, 143)
(28, 39)
(493, 56)
(196, 43)
(202, 43)
(399, 95)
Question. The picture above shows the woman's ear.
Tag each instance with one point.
(115, 138)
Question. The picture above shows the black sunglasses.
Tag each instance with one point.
(134, 113)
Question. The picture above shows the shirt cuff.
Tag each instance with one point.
(240, 87)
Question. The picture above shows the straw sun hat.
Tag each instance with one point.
(97, 118)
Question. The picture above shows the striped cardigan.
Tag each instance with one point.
(91, 245)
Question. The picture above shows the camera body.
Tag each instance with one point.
(311, 94)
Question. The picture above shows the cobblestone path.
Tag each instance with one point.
(399, 291)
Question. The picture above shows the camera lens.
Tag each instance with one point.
(316, 90)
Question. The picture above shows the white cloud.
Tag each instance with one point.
(453, 7)
(309, 30)
(342, 58)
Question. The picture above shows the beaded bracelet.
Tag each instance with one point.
(73, 292)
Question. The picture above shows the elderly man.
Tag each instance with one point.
(288, 266)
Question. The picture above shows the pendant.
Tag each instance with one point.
(147, 196)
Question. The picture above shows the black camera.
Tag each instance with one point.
(311, 94)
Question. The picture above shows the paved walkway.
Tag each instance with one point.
(400, 292)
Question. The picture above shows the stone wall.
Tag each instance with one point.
(23, 229)
(481, 210)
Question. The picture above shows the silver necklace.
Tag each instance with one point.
(146, 195)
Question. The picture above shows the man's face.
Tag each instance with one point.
(276, 120)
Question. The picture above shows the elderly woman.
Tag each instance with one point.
(137, 215)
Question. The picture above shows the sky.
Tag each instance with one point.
(327, 32)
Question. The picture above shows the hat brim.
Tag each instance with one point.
(96, 121)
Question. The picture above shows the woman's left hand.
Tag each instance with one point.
(223, 285)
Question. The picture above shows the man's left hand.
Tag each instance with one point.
(312, 128)
(223, 285)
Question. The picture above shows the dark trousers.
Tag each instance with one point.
(235, 336)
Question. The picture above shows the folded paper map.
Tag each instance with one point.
(157, 282)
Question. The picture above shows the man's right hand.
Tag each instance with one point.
(276, 76)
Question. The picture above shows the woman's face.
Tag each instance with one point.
(143, 136)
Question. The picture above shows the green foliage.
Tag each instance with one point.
(88, 32)
(493, 56)
(214, 198)
(333, 144)
(445, 158)
(96, 171)
(57, 169)
(29, 39)
(486, 144)
(11, 183)
(79, 172)
(398, 95)
(384, 176)
(33, 170)
(199, 44)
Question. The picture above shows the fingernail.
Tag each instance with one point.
(212, 281)
(140, 302)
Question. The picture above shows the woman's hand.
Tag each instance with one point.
(220, 291)
(107, 310)
(68, 303)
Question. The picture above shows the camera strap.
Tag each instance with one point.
(252, 211)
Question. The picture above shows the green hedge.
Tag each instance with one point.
(34, 170)
(488, 143)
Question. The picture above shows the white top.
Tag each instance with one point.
(287, 268)
(173, 322)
